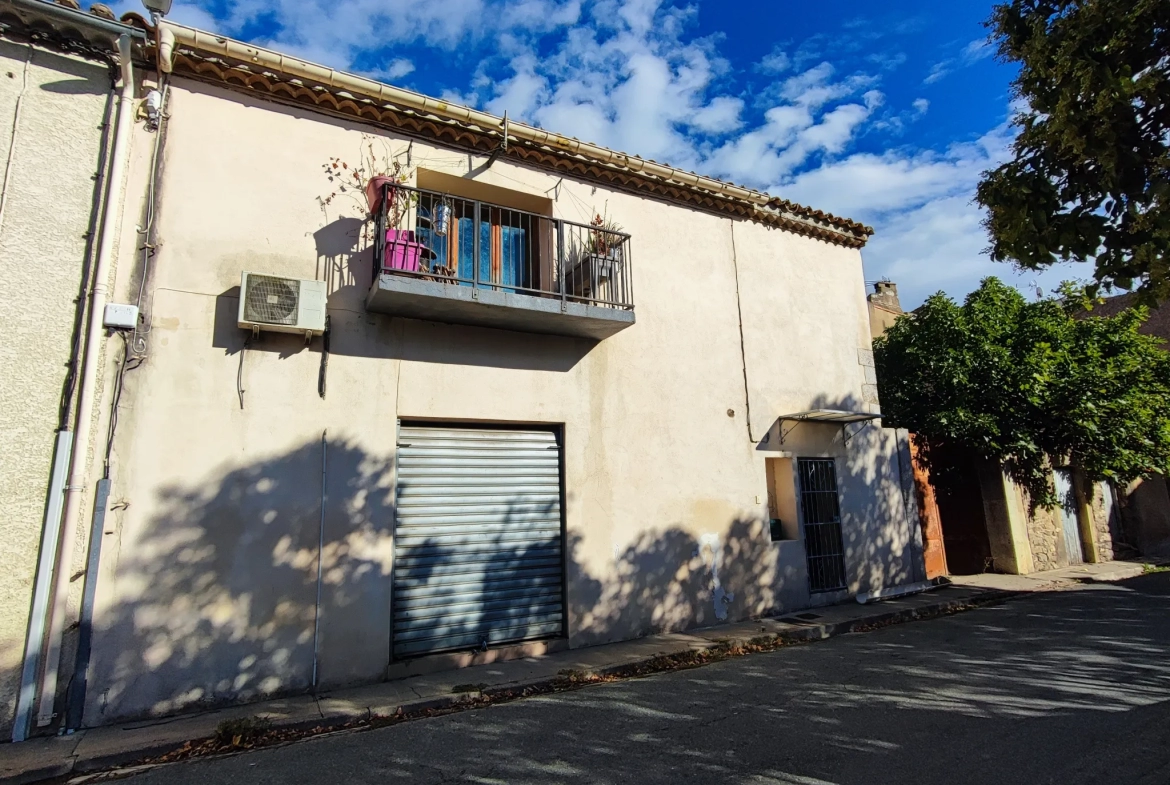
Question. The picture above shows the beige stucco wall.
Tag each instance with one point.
(208, 570)
(47, 208)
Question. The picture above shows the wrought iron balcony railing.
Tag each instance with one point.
(438, 237)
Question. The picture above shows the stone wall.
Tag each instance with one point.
(1103, 509)
(1046, 540)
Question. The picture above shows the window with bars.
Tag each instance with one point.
(821, 513)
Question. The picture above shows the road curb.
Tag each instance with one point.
(742, 645)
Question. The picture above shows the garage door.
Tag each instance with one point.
(478, 545)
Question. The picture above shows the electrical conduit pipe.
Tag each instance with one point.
(89, 371)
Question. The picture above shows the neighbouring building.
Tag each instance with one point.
(1145, 504)
(543, 394)
(57, 95)
(884, 307)
(974, 519)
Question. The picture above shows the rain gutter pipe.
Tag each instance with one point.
(93, 347)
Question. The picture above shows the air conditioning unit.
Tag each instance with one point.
(284, 305)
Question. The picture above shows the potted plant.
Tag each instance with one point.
(600, 261)
(370, 179)
(604, 239)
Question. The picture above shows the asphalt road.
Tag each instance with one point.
(1070, 687)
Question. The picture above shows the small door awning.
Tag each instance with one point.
(829, 416)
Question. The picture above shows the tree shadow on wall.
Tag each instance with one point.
(11, 658)
(666, 581)
(663, 581)
(345, 260)
(211, 600)
(214, 596)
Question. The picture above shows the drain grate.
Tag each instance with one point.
(808, 616)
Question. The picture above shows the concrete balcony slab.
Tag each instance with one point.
(415, 298)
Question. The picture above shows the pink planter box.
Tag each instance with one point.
(402, 252)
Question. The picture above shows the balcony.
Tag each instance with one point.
(449, 259)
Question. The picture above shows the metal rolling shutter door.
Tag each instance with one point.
(477, 548)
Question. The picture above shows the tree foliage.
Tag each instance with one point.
(1030, 385)
(1090, 176)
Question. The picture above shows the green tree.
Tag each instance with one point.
(1029, 385)
(1090, 176)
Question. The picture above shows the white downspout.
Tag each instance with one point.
(89, 372)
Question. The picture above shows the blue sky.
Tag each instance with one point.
(882, 112)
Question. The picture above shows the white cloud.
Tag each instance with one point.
(929, 231)
(887, 61)
(342, 33)
(869, 186)
(629, 80)
(720, 116)
(940, 246)
(520, 94)
(977, 50)
(775, 62)
(920, 105)
(797, 128)
(972, 53)
(395, 69)
(938, 71)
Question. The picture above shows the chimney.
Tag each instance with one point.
(885, 295)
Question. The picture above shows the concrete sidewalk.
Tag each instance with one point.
(1052, 579)
(102, 748)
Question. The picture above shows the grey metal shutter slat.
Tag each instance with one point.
(432, 584)
(484, 601)
(458, 611)
(542, 561)
(439, 559)
(458, 509)
(410, 648)
(478, 542)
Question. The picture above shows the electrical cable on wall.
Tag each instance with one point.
(324, 359)
(126, 363)
(240, 372)
(69, 386)
(747, 395)
(147, 228)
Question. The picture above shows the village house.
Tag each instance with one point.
(387, 384)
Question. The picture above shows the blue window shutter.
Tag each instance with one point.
(485, 251)
(466, 246)
(513, 253)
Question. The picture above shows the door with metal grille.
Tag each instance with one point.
(478, 540)
(821, 512)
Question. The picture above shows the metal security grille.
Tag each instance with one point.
(822, 524)
(271, 300)
(478, 544)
